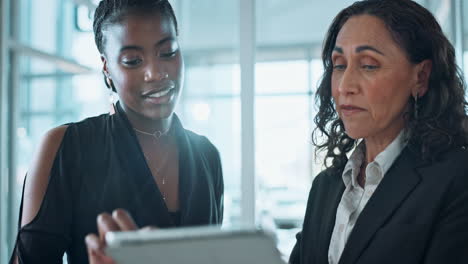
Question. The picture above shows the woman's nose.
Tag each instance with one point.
(154, 72)
(348, 83)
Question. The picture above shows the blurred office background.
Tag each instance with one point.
(252, 67)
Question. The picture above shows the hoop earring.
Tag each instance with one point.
(110, 85)
(108, 81)
(111, 102)
(416, 106)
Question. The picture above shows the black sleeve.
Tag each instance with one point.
(298, 255)
(48, 235)
(295, 256)
(219, 188)
(218, 180)
(449, 243)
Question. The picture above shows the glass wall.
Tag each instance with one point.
(210, 103)
(51, 75)
(53, 79)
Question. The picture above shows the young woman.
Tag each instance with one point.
(139, 158)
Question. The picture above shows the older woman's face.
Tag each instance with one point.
(372, 79)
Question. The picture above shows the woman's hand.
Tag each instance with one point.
(119, 221)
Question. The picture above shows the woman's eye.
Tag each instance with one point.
(339, 67)
(167, 54)
(369, 67)
(131, 62)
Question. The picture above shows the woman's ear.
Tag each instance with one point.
(423, 72)
(105, 70)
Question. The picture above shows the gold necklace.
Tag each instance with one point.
(156, 135)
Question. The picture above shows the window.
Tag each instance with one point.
(54, 78)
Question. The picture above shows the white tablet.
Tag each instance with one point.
(193, 245)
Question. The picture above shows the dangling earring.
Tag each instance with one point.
(416, 106)
(110, 85)
(107, 80)
(111, 102)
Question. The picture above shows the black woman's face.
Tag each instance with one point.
(143, 60)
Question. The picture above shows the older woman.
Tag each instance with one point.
(393, 98)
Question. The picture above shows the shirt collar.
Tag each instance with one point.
(386, 158)
(383, 160)
(353, 165)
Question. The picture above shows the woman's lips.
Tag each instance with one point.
(160, 93)
(349, 110)
(160, 97)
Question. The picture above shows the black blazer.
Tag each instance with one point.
(418, 214)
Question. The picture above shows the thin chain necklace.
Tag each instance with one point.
(157, 135)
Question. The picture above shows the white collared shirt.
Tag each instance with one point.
(355, 197)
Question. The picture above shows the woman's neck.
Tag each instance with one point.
(376, 144)
(142, 123)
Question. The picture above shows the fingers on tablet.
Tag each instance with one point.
(95, 249)
(105, 224)
(124, 220)
(93, 242)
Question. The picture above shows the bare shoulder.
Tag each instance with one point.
(39, 172)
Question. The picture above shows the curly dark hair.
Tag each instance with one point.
(441, 112)
(109, 12)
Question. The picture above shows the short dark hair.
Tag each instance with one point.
(113, 11)
(441, 112)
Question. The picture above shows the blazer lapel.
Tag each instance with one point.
(396, 185)
(337, 188)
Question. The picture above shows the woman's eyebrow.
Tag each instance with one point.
(164, 40)
(130, 47)
(338, 49)
(359, 49)
(139, 48)
(368, 47)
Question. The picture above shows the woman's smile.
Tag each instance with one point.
(161, 97)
